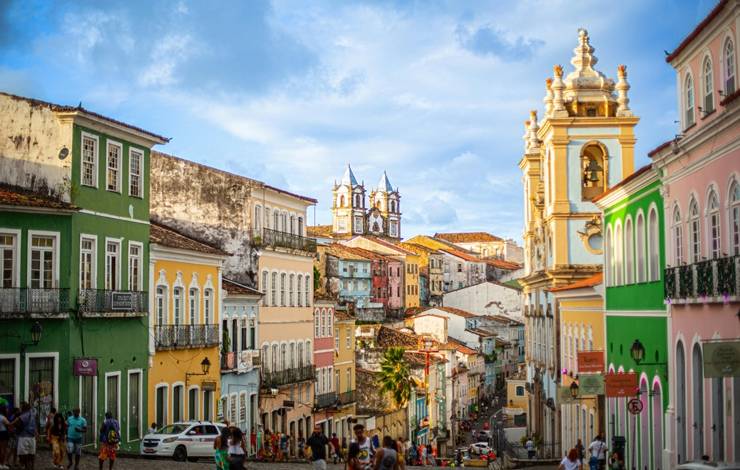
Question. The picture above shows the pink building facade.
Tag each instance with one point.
(395, 285)
(323, 355)
(700, 171)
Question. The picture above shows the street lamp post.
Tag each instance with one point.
(205, 366)
(36, 330)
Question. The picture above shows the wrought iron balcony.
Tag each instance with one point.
(102, 302)
(274, 379)
(714, 280)
(18, 302)
(347, 398)
(185, 336)
(325, 400)
(275, 239)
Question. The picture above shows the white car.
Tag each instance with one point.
(479, 448)
(182, 440)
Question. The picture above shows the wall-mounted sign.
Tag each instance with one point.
(721, 359)
(590, 361)
(122, 301)
(591, 384)
(620, 385)
(288, 404)
(85, 366)
(635, 406)
(208, 386)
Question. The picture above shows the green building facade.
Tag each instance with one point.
(636, 319)
(76, 263)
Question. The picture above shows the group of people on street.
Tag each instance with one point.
(19, 431)
(362, 454)
(598, 451)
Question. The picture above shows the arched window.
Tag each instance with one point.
(258, 218)
(265, 357)
(276, 220)
(657, 425)
(283, 356)
(300, 226)
(640, 237)
(161, 306)
(323, 323)
(207, 304)
(308, 290)
(688, 93)
(644, 425)
(735, 217)
(393, 206)
(629, 252)
(291, 291)
(341, 201)
(609, 257)
(714, 229)
(291, 356)
(299, 291)
(316, 325)
(653, 245)
(263, 288)
(729, 53)
(593, 181)
(358, 200)
(694, 232)
(309, 353)
(283, 287)
(618, 247)
(677, 237)
(177, 305)
(267, 217)
(697, 387)
(273, 290)
(275, 357)
(299, 354)
(708, 78)
(292, 224)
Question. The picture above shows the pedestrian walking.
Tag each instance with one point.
(387, 458)
(401, 449)
(12, 456)
(570, 462)
(25, 426)
(334, 441)
(301, 447)
(429, 455)
(237, 449)
(319, 446)
(580, 450)
(57, 437)
(598, 453)
(4, 436)
(110, 436)
(366, 451)
(221, 449)
(531, 450)
(76, 429)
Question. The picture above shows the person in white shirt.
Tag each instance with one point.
(570, 462)
(598, 453)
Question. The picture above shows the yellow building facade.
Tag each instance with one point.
(344, 374)
(185, 286)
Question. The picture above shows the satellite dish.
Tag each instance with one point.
(63, 153)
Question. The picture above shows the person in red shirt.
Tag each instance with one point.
(334, 441)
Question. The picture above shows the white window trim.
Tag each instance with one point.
(94, 273)
(707, 58)
(168, 404)
(132, 150)
(198, 413)
(93, 419)
(140, 404)
(41, 355)
(120, 260)
(16, 374)
(16, 234)
(141, 263)
(119, 168)
(96, 170)
(105, 394)
(653, 277)
(43, 233)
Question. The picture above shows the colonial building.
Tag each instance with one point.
(460, 268)
(432, 264)
(184, 375)
(354, 214)
(583, 145)
(485, 245)
(74, 229)
(700, 175)
(325, 392)
(345, 381)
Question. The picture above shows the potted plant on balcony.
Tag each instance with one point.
(225, 342)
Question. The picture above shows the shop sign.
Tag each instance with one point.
(85, 366)
(590, 361)
(721, 359)
(122, 301)
(590, 384)
(620, 385)
(208, 386)
(288, 404)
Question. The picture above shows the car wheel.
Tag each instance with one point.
(180, 454)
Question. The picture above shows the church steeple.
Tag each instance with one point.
(386, 202)
(348, 205)
(349, 178)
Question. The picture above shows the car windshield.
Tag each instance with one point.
(172, 429)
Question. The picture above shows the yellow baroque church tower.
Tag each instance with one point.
(583, 144)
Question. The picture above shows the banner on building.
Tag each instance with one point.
(85, 367)
(721, 359)
(620, 385)
(590, 361)
(591, 384)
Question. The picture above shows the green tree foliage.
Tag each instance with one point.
(395, 376)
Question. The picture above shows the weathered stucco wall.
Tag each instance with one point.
(31, 136)
(209, 205)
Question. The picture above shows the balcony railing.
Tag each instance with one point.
(325, 400)
(228, 360)
(347, 398)
(185, 336)
(715, 280)
(274, 238)
(288, 376)
(21, 301)
(113, 302)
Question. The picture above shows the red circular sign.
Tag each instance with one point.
(634, 406)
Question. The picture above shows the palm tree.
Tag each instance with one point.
(395, 376)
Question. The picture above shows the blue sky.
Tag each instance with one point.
(289, 92)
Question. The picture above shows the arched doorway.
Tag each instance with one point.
(718, 419)
(644, 419)
(657, 425)
(697, 397)
(680, 403)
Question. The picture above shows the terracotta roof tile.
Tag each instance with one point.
(502, 264)
(462, 255)
(388, 337)
(341, 252)
(234, 288)
(502, 318)
(373, 255)
(320, 231)
(468, 237)
(390, 245)
(166, 236)
(592, 281)
(460, 346)
(19, 197)
(699, 28)
(68, 109)
(480, 332)
(452, 310)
